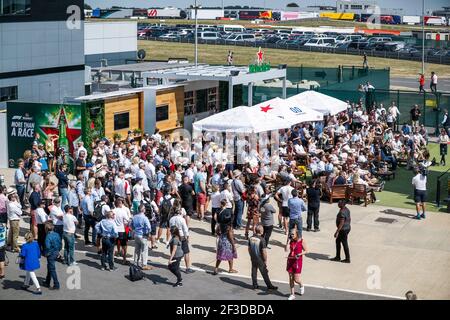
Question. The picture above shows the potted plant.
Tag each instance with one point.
(137, 134)
(117, 137)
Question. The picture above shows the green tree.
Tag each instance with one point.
(87, 7)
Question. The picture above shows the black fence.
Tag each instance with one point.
(429, 58)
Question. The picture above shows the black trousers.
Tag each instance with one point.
(41, 237)
(89, 222)
(267, 233)
(261, 266)
(175, 268)
(342, 238)
(313, 214)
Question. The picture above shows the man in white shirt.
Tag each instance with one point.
(14, 212)
(420, 192)
(69, 222)
(57, 215)
(283, 195)
(138, 194)
(122, 217)
(178, 221)
(433, 82)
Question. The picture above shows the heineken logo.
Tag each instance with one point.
(296, 110)
(254, 68)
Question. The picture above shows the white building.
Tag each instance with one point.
(41, 51)
(114, 42)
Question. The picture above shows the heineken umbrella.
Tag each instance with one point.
(289, 110)
(242, 120)
(319, 102)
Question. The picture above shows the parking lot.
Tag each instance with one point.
(385, 46)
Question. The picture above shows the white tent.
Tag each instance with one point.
(319, 102)
(241, 120)
(289, 110)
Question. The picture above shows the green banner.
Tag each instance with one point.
(29, 122)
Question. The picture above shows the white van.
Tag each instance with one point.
(208, 35)
(320, 42)
(229, 28)
(244, 37)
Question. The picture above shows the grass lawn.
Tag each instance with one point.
(217, 54)
(398, 193)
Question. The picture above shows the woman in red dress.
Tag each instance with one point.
(297, 248)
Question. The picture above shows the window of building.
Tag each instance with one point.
(346, 6)
(356, 6)
(189, 104)
(162, 113)
(15, 7)
(201, 101)
(8, 93)
(213, 99)
(121, 121)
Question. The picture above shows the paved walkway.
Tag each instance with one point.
(389, 256)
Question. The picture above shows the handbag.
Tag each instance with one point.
(128, 233)
(21, 262)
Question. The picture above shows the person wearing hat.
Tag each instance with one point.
(14, 213)
(238, 189)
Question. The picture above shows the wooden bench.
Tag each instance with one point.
(359, 191)
(338, 192)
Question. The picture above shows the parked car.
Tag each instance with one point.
(320, 42)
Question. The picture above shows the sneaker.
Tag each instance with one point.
(38, 292)
(112, 269)
(178, 284)
(291, 297)
(189, 270)
(417, 217)
(345, 261)
(422, 215)
(302, 290)
(316, 230)
(308, 229)
(53, 288)
(73, 264)
(255, 287)
(103, 269)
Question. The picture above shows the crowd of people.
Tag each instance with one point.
(148, 189)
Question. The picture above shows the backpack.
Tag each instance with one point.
(224, 216)
(166, 208)
(149, 213)
(98, 216)
(135, 273)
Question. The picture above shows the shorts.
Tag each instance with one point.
(154, 226)
(201, 198)
(285, 212)
(122, 239)
(420, 196)
(185, 246)
(164, 224)
(2, 254)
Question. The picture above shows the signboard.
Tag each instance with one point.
(29, 122)
(260, 65)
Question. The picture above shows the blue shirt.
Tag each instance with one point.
(107, 228)
(160, 180)
(74, 201)
(18, 176)
(32, 253)
(53, 243)
(296, 206)
(216, 179)
(140, 225)
(87, 205)
(198, 178)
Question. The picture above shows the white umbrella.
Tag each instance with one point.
(319, 102)
(290, 110)
(242, 120)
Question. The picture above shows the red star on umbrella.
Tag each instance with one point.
(260, 55)
(71, 133)
(266, 108)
